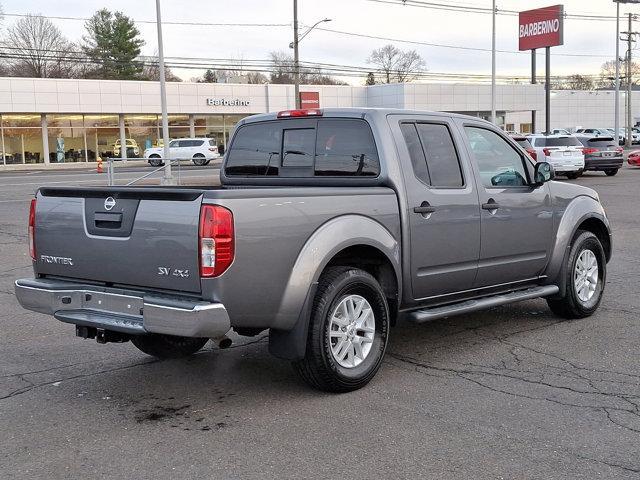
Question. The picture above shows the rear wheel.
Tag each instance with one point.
(155, 160)
(199, 160)
(168, 346)
(611, 172)
(586, 271)
(348, 331)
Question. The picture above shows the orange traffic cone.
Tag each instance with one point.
(99, 168)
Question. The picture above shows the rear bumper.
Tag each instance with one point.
(124, 311)
(602, 163)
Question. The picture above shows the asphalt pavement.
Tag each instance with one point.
(512, 392)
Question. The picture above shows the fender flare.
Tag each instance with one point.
(288, 336)
(577, 212)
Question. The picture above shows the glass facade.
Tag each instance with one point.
(82, 138)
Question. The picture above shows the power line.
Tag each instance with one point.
(203, 24)
(444, 45)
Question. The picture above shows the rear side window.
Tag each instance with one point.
(416, 154)
(256, 150)
(345, 147)
(323, 147)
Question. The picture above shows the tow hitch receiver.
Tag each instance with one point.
(101, 336)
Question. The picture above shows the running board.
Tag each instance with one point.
(428, 314)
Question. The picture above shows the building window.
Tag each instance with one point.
(21, 139)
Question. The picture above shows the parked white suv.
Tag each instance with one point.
(563, 152)
(199, 150)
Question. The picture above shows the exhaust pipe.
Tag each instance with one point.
(223, 341)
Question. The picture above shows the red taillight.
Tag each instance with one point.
(216, 240)
(588, 150)
(619, 149)
(532, 153)
(546, 152)
(32, 229)
(304, 112)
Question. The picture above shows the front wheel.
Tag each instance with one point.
(586, 271)
(348, 331)
(611, 172)
(168, 346)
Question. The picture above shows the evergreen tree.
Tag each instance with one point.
(371, 79)
(113, 42)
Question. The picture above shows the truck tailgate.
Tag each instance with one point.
(145, 237)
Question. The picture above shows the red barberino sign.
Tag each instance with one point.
(542, 27)
(309, 100)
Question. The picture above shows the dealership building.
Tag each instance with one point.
(51, 121)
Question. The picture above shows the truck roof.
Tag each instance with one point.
(358, 113)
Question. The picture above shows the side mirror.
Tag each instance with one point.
(542, 173)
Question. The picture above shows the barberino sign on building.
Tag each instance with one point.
(224, 102)
(542, 27)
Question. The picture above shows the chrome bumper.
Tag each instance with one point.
(122, 310)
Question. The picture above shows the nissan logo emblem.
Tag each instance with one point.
(109, 203)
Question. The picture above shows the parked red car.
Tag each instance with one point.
(634, 158)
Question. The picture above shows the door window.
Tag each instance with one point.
(433, 154)
(499, 163)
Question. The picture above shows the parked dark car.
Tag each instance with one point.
(601, 154)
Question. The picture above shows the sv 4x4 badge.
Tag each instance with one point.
(174, 272)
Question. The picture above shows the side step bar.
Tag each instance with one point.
(428, 314)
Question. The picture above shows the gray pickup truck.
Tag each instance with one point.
(328, 225)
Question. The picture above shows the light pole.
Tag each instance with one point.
(296, 40)
(493, 64)
(617, 79)
(168, 178)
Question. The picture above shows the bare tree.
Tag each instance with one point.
(151, 70)
(574, 82)
(608, 74)
(257, 78)
(35, 47)
(282, 71)
(397, 65)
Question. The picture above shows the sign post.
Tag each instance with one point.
(542, 27)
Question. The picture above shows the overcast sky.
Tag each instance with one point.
(465, 29)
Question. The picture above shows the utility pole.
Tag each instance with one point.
(628, 101)
(617, 80)
(296, 59)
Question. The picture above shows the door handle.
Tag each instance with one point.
(424, 208)
(491, 205)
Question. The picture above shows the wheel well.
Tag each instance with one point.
(198, 155)
(376, 263)
(598, 228)
(154, 155)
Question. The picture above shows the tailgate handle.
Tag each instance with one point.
(107, 220)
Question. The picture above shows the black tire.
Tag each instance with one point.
(207, 162)
(168, 346)
(199, 160)
(570, 305)
(573, 175)
(319, 368)
(611, 172)
(155, 161)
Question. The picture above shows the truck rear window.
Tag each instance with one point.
(321, 147)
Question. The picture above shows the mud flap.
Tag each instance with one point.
(292, 344)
